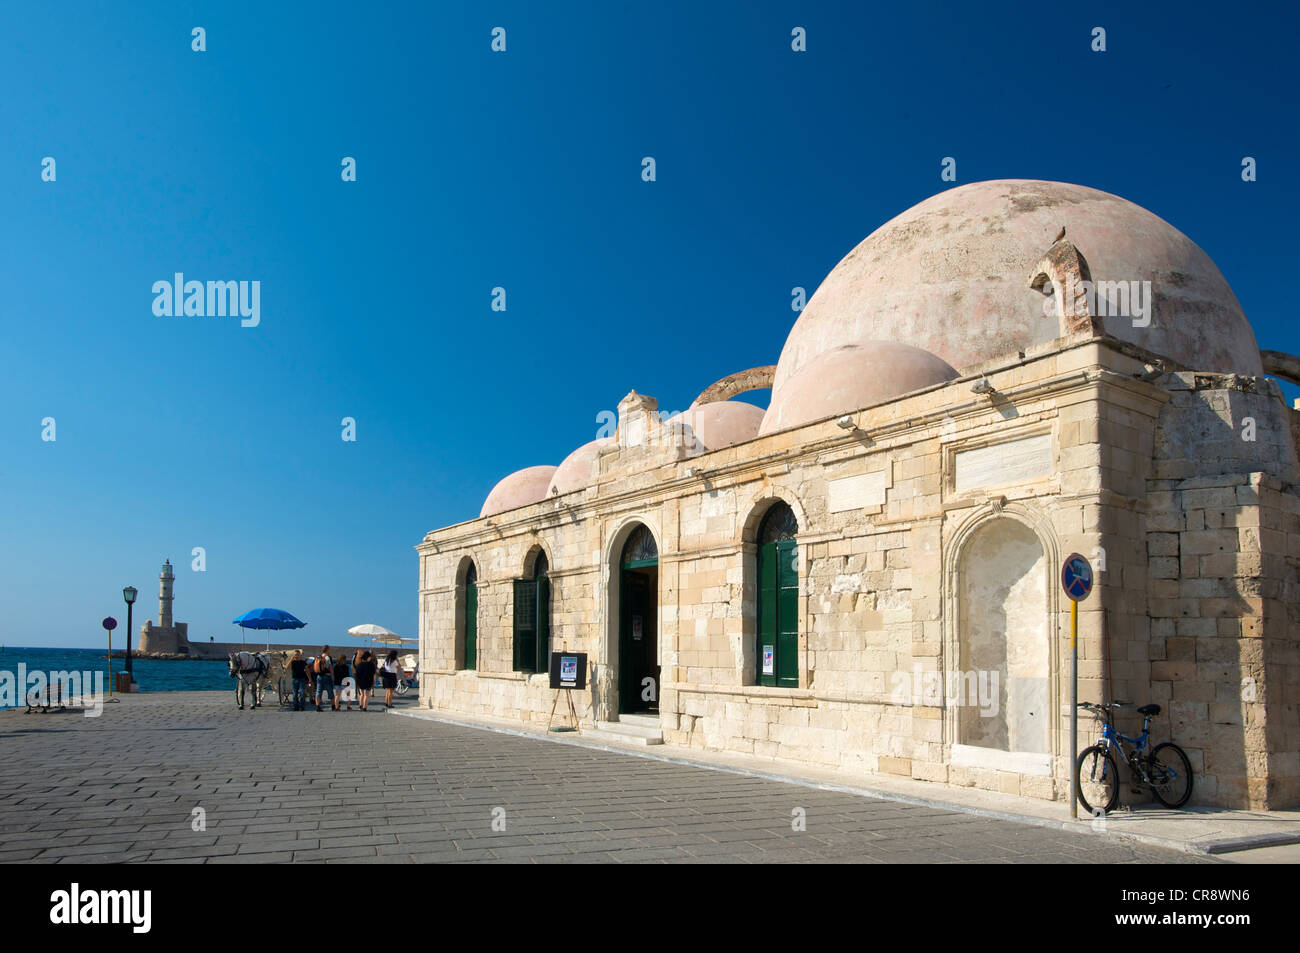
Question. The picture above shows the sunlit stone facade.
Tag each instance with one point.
(914, 624)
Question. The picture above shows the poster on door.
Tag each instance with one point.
(636, 628)
(769, 660)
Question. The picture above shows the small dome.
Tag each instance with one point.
(851, 377)
(951, 275)
(721, 423)
(519, 489)
(577, 470)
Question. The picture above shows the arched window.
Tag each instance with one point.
(640, 549)
(532, 628)
(778, 598)
(470, 622)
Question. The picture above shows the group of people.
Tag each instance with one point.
(320, 678)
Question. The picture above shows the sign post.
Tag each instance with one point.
(1076, 580)
(109, 625)
(568, 671)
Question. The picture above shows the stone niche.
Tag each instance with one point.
(1001, 692)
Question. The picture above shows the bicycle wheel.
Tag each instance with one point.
(1171, 775)
(1098, 780)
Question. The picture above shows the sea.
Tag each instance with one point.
(152, 675)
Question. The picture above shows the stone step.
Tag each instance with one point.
(625, 733)
(641, 721)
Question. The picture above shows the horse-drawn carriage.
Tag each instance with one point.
(281, 679)
(252, 672)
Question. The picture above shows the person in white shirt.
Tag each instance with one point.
(389, 674)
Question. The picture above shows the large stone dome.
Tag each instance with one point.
(951, 275)
(518, 489)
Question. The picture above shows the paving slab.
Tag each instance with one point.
(277, 786)
(1200, 830)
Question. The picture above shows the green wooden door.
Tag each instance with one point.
(471, 625)
(778, 614)
(767, 614)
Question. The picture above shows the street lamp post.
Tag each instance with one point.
(129, 594)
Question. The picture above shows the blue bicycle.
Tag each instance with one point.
(1166, 770)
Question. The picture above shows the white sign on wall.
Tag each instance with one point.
(1016, 461)
(856, 492)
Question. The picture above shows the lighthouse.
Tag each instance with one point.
(167, 636)
(166, 579)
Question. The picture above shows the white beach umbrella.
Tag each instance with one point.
(370, 631)
(377, 634)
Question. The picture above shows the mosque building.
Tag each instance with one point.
(866, 575)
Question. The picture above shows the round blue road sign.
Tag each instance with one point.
(109, 623)
(1076, 577)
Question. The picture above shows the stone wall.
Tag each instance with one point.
(164, 639)
(173, 640)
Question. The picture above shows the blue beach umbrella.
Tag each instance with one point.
(267, 619)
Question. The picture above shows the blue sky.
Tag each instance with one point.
(522, 170)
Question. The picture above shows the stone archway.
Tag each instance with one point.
(612, 676)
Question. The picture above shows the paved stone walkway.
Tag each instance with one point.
(283, 786)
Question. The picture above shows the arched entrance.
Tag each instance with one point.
(638, 642)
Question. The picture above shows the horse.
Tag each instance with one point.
(250, 668)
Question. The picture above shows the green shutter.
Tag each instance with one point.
(471, 626)
(787, 616)
(543, 624)
(767, 608)
(525, 628)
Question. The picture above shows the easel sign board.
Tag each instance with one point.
(569, 670)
